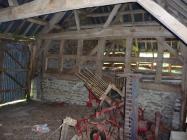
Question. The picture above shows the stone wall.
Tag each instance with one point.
(153, 101)
(74, 92)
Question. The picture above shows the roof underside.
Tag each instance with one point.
(129, 13)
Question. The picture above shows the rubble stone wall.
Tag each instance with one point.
(73, 92)
(153, 101)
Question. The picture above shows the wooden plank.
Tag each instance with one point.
(77, 20)
(41, 7)
(165, 18)
(112, 32)
(112, 15)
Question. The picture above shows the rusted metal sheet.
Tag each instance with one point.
(14, 83)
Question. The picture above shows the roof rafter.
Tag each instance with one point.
(42, 22)
(77, 20)
(112, 15)
(165, 18)
(13, 3)
(32, 20)
(41, 7)
(33, 8)
(55, 19)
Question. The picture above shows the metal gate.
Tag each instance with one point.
(14, 66)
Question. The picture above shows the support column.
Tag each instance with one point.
(159, 60)
(128, 54)
(33, 62)
(100, 54)
(61, 56)
(184, 84)
(79, 54)
(45, 59)
(1, 69)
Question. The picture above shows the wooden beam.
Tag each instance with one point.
(100, 54)
(119, 18)
(179, 4)
(121, 13)
(55, 19)
(184, 82)
(33, 8)
(1, 63)
(9, 36)
(112, 32)
(61, 55)
(41, 7)
(161, 2)
(77, 20)
(138, 24)
(79, 54)
(179, 7)
(42, 47)
(165, 18)
(9, 27)
(42, 22)
(112, 15)
(13, 2)
(33, 62)
(45, 52)
(121, 59)
(131, 13)
(128, 54)
(171, 50)
(93, 51)
(159, 61)
(28, 28)
(32, 20)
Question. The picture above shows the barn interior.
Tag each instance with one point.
(93, 70)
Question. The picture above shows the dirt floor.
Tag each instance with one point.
(17, 121)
